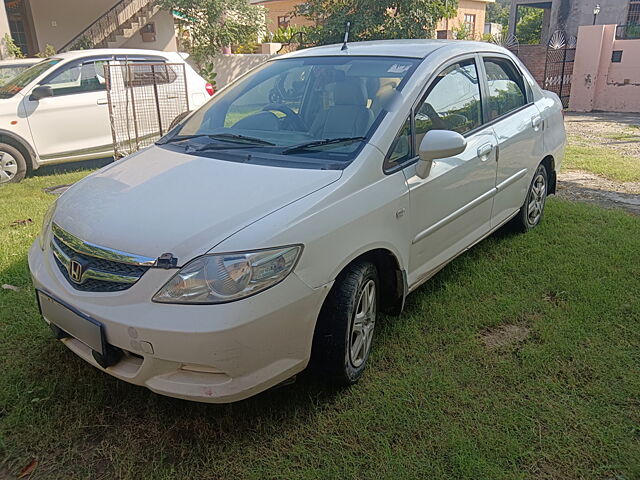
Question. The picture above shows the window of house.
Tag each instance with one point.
(506, 87)
(283, 22)
(79, 78)
(633, 17)
(470, 22)
(452, 102)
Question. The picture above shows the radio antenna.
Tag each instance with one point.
(347, 27)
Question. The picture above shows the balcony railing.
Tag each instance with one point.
(628, 32)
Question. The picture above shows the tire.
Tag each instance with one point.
(344, 332)
(531, 212)
(13, 166)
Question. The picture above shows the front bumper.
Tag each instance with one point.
(208, 353)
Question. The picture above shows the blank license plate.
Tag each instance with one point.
(73, 322)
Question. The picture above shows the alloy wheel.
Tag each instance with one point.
(8, 167)
(537, 197)
(362, 325)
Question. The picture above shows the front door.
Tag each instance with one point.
(74, 123)
(451, 208)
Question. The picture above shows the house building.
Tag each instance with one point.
(470, 17)
(69, 24)
(280, 14)
(469, 20)
(568, 15)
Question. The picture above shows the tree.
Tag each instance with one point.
(218, 23)
(529, 26)
(498, 12)
(374, 19)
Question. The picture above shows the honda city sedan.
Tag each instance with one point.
(268, 230)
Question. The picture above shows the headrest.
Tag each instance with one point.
(349, 92)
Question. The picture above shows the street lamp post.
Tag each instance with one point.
(596, 11)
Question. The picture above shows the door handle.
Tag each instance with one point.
(536, 122)
(484, 151)
(102, 101)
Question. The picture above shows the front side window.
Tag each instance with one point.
(17, 83)
(452, 101)
(78, 78)
(315, 107)
(401, 148)
(506, 87)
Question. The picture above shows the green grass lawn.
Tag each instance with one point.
(436, 402)
(602, 161)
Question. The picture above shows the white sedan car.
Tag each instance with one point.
(269, 228)
(57, 110)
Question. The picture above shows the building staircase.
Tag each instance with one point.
(113, 28)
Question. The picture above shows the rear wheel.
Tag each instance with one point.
(344, 333)
(13, 166)
(531, 212)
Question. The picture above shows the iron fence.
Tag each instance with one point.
(144, 98)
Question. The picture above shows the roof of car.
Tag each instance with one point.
(20, 61)
(413, 48)
(111, 51)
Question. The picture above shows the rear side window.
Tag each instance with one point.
(506, 87)
(140, 73)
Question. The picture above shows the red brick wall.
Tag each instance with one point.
(534, 58)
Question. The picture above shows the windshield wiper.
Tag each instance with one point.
(179, 138)
(237, 138)
(318, 143)
(239, 141)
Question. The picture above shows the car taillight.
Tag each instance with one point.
(210, 89)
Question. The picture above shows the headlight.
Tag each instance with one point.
(46, 225)
(228, 277)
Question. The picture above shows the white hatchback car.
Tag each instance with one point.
(57, 110)
(270, 227)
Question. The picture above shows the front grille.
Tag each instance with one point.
(102, 264)
(99, 274)
(91, 285)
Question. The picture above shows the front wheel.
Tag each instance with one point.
(344, 333)
(530, 213)
(13, 166)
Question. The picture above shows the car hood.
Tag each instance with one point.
(159, 201)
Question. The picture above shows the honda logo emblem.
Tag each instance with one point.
(75, 271)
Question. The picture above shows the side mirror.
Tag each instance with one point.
(41, 91)
(438, 144)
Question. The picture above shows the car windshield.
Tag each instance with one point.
(10, 70)
(24, 78)
(320, 107)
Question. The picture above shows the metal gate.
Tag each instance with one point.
(144, 98)
(558, 68)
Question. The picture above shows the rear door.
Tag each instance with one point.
(74, 123)
(451, 208)
(518, 127)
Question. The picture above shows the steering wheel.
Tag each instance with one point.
(292, 117)
(436, 119)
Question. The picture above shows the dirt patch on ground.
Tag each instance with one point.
(616, 131)
(504, 335)
(590, 188)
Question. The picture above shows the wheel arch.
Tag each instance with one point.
(392, 277)
(23, 145)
